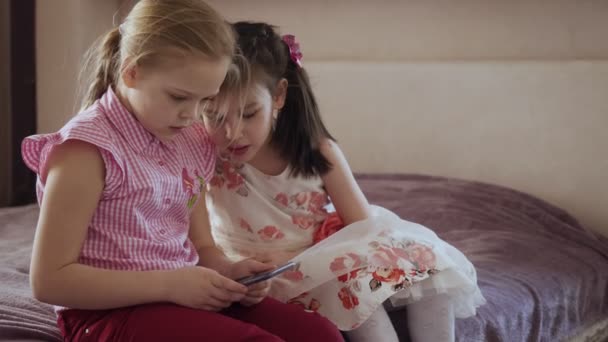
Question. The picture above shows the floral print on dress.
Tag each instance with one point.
(282, 199)
(383, 268)
(266, 233)
(246, 226)
(331, 225)
(348, 298)
(227, 174)
(304, 222)
(313, 202)
(192, 186)
(270, 233)
(295, 275)
(309, 207)
(317, 203)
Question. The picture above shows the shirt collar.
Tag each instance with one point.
(125, 122)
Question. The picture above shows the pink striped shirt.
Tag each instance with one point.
(142, 219)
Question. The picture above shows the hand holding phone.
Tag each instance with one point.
(259, 277)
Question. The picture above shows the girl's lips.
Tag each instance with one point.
(238, 150)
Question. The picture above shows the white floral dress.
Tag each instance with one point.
(348, 275)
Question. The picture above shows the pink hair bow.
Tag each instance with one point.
(294, 48)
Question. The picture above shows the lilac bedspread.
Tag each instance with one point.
(545, 277)
(21, 317)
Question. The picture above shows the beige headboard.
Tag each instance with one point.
(508, 92)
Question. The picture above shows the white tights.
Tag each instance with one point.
(428, 320)
(376, 328)
(431, 320)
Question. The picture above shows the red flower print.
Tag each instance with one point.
(246, 226)
(303, 222)
(281, 197)
(347, 276)
(229, 175)
(300, 198)
(234, 180)
(338, 265)
(318, 201)
(294, 275)
(388, 275)
(332, 224)
(422, 256)
(217, 181)
(349, 300)
(356, 260)
(388, 257)
(341, 264)
(269, 233)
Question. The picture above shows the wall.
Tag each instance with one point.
(425, 30)
(65, 29)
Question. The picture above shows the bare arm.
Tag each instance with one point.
(347, 197)
(74, 183)
(200, 234)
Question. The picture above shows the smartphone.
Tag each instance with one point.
(256, 278)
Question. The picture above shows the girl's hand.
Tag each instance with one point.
(256, 292)
(275, 258)
(203, 288)
(247, 267)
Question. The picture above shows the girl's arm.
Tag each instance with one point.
(347, 197)
(209, 254)
(74, 183)
(212, 257)
(200, 234)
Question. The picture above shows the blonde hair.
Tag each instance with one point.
(236, 85)
(148, 31)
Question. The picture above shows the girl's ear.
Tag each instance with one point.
(129, 74)
(280, 94)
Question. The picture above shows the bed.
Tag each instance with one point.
(544, 275)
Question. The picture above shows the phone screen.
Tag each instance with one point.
(256, 278)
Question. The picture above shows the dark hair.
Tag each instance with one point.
(296, 136)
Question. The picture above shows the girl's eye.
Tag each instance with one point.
(249, 115)
(178, 98)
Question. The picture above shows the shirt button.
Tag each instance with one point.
(161, 163)
(167, 200)
(162, 232)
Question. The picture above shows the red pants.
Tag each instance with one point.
(270, 320)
